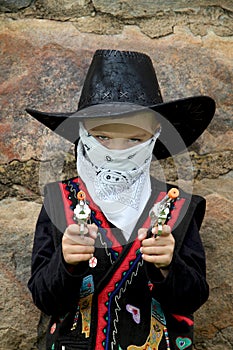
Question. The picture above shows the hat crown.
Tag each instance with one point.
(120, 76)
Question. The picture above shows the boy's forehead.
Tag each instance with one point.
(145, 120)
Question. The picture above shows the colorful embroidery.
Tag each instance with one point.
(185, 319)
(167, 338)
(76, 317)
(53, 328)
(87, 286)
(135, 312)
(157, 329)
(154, 338)
(85, 310)
(157, 311)
(85, 305)
(113, 292)
(183, 343)
(93, 262)
(150, 285)
(121, 286)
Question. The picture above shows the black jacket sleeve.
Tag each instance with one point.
(185, 288)
(54, 287)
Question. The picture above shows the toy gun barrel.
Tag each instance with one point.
(173, 193)
(81, 196)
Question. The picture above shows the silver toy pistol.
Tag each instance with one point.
(160, 212)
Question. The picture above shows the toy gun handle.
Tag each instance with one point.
(161, 211)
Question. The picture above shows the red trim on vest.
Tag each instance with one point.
(103, 297)
(181, 318)
(178, 205)
(68, 212)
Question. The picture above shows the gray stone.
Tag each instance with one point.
(132, 8)
(64, 8)
(14, 5)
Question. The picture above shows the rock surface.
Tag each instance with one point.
(19, 316)
(45, 50)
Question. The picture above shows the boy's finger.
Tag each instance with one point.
(142, 233)
(72, 235)
(92, 230)
(72, 229)
(166, 230)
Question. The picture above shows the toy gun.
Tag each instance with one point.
(82, 211)
(160, 212)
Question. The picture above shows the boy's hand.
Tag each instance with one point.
(158, 251)
(77, 247)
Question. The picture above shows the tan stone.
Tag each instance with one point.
(19, 329)
(47, 73)
(217, 314)
(43, 65)
(209, 143)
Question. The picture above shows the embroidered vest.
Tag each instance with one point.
(125, 270)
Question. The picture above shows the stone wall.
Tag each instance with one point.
(46, 47)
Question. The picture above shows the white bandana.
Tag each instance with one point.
(117, 180)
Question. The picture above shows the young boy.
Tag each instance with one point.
(105, 276)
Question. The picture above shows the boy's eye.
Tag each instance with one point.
(134, 140)
(102, 137)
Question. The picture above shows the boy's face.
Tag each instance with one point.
(119, 136)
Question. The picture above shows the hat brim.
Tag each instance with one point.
(183, 121)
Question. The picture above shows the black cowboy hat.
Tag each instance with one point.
(120, 83)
